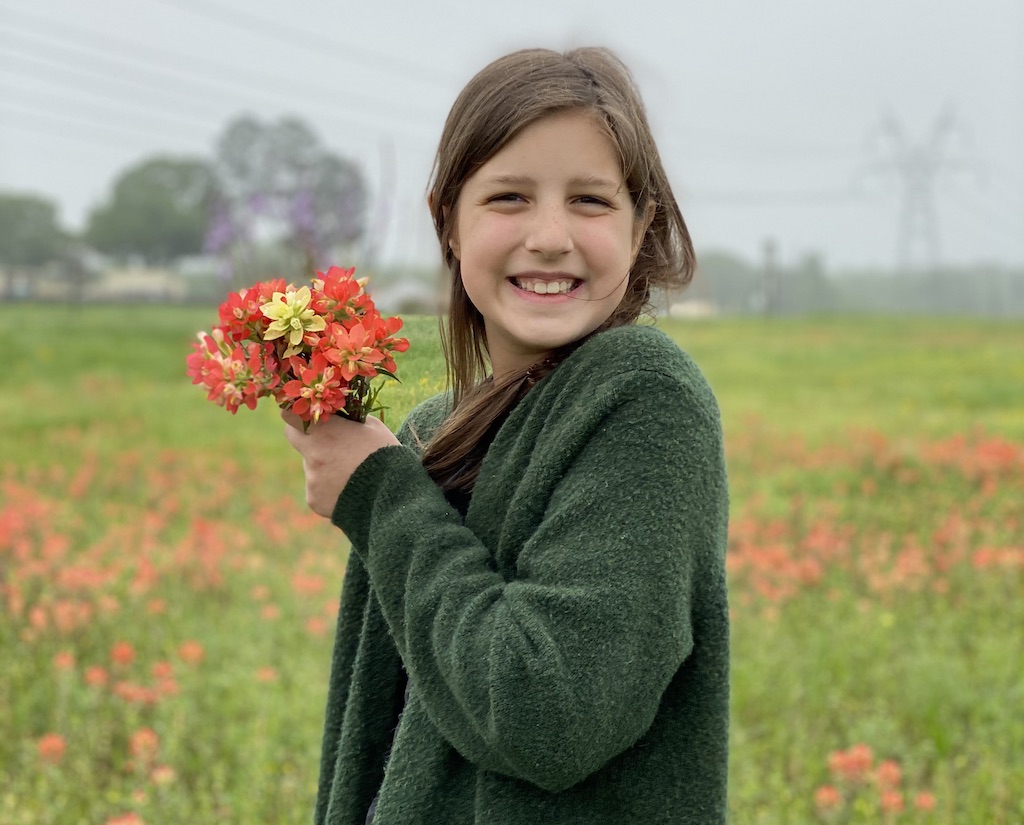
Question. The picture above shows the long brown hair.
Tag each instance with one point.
(496, 105)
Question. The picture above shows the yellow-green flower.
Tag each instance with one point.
(290, 315)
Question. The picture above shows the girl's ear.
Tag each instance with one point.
(641, 226)
(453, 237)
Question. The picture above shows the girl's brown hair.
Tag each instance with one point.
(496, 105)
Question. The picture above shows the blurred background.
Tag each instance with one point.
(852, 173)
(829, 157)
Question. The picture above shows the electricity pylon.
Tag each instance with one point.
(918, 165)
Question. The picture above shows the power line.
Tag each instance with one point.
(77, 138)
(760, 198)
(78, 121)
(113, 70)
(115, 75)
(307, 39)
(118, 109)
(994, 221)
(122, 46)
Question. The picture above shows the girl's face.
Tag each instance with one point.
(545, 236)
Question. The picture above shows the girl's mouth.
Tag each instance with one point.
(562, 286)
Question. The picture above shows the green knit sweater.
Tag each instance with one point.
(567, 642)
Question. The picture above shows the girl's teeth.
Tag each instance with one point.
(547, 287)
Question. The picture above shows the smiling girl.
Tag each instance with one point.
(534, 621)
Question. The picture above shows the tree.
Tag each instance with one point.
(282, 190)
(29, 234)
(159, 210)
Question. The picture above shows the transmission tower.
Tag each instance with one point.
(917, 165)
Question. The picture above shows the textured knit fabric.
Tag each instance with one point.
(567, 642)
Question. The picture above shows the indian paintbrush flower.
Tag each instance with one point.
(314, 350)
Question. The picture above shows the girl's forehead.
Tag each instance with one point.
(573, 146)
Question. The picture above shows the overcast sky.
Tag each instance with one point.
(768, 113)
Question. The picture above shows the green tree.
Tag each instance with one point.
(159, 210)
(29, 234)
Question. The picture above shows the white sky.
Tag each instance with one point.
(763, 108)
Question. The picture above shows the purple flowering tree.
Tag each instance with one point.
(286, 201)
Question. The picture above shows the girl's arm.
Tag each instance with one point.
(549, 676)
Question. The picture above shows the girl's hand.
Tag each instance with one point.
(331, 451)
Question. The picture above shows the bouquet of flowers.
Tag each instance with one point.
(314, 350)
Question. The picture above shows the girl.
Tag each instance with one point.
(534, 626)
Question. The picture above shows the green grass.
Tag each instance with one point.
(876, 569)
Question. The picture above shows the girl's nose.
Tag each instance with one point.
(549, 232)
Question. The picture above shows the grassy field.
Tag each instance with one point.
(168, 602)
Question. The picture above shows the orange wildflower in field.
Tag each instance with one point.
(162, 775)
(306, 584)
(122, 653)
(827, 798)
(95, 676)
(143, 745)
(136, 694)
(64, 660)
(852, 765)
(892, 801)
(851, 768)
(51, 748)
(126, 819)
(888, 774)
(266, 674)
(191, 652)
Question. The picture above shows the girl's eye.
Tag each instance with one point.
(506, 197)
(592, 200)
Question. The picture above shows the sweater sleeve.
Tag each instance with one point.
(549, 676)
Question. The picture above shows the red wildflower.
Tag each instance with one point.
(925, 801)
(122, 653)
(126, 819)
(162, 775)
(827, 797)
(51, 748)
(354, 350)
(384, 331)
(135, 694)
(317, 390)
(250, 355)
(892, 801)
(336, 288)
(95, 676)
(191, 652)
(851, 765)
(888, 774)
(143, 745)
(65, 660)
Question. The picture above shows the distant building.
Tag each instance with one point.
(137, 283)
(693, 308)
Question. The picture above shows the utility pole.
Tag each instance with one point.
(771, 286)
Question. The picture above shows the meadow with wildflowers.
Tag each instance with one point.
(168, 601)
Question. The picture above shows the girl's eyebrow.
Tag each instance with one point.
(522, 180)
